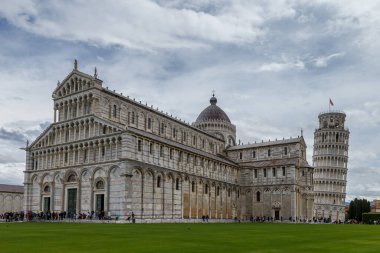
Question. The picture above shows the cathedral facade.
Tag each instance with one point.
(107, 152)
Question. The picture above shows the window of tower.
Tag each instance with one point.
(151, 148)
(258, 196)
(133, 118)
(114, 111)
(162, 128)
(139, 145)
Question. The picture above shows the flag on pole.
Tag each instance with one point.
(331, 102)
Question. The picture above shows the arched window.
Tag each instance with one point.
(114, 112)
(133, 118)
(258, 196)
(139, 145)
(162, 128)
(100, 184)
(149, 123)
(193, 186)
(158, 181)
(206, 189)
(71, 178)
(217, 191)
(151, 149)
(47, 189)
(177, 184)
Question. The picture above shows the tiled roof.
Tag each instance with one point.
(266, 144)
(11, 188)
(276, 163)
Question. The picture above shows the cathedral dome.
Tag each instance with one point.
(212, 112)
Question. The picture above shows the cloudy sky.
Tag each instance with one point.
(273, 64)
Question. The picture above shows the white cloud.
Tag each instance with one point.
(12, 173)
(276, 67)
(139, 24)
(323, 61)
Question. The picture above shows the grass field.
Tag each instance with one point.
(233, 238)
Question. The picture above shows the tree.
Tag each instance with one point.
(357, 208)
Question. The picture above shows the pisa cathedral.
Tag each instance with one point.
(107, 152)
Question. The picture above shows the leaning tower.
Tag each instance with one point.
(330, 166)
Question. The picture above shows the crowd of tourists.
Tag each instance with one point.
(12, 216)
(59, 216)
(100, 215)
(52, 216)
(292, 219)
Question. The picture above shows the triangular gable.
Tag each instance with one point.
(76, 81)
(41, 136)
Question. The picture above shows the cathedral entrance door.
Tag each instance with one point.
(277, 214)
(72, 200)
(99, 202)
(46, 204)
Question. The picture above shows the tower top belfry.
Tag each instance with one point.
(332, 120)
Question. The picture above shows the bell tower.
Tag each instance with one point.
(330, 166)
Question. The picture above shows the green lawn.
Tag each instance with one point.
(233, 238)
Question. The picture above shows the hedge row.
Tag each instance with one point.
(368, 218)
